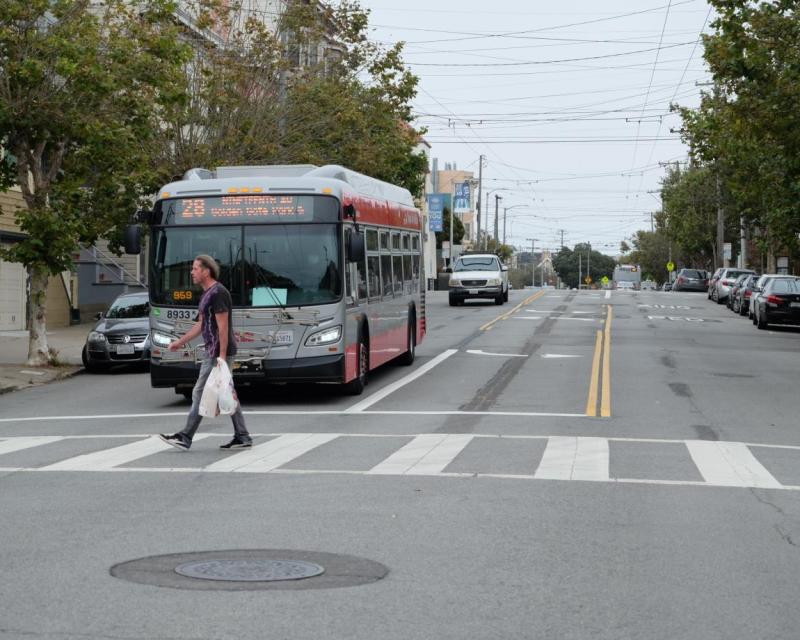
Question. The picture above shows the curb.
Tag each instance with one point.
(60, 375)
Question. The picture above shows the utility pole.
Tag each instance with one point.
(497, 199)
(580, 271)
(480, 186)
(452, 208)
(720, 225)
(562, 236)
(589, 261)
(533, 262)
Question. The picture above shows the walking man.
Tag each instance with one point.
(215, 324)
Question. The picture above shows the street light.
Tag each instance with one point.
(506, 210)
(533, 262)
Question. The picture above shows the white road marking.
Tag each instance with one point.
(389, 389)
(730, 464)
(114, 457)
(18, 444)
(424, 455)
(272, 454)
(555, 318)
(722, 464)
(478, 352)
(559, 355)
(570, 458)
(608, 294)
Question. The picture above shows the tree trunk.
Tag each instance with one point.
(38, 350)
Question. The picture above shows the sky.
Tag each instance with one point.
(567, 101)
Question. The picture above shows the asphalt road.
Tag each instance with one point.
(569, 465)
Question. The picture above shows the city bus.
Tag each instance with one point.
(627, 276)
(324, 266)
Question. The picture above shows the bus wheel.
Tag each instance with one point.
(356, 386)
(407, 358)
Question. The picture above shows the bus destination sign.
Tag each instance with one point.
(241, 208)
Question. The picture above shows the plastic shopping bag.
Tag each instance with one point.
(218, 396)
(226, 400)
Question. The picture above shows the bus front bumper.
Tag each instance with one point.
(315, 369)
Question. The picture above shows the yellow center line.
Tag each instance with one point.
(605, 400)
(507, 315)
(601, 372)
(591, 402)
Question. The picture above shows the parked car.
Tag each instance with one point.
(712, 281)
(779, 303)
(758, 289)
(648, 285)
(741, 302)
(722, 288)
(735, 289)
(667, 286)
(690, 280)
(121, 334)
(478, 275)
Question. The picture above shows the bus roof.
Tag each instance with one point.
(301, 178)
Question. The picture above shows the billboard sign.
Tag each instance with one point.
(436, 212)
(462, 198)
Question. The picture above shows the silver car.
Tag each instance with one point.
(722, 287)
(121, 335)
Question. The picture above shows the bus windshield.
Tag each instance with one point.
(261, 265)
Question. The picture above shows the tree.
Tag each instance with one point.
(83, 88)
(569, 262)
(444, 234)
(651, 252)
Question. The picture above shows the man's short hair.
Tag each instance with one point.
(209, 263)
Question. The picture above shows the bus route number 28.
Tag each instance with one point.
(180, 314)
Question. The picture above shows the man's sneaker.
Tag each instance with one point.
(176, 440)
(236, 443)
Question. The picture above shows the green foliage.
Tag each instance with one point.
(84, 86)
(458, 229)
(651, 252)
(748, 129)
(568, 263)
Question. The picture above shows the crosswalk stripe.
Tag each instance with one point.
(114, 457)
(424, 455)
(730, 464)
(571, 458)
(272, 454)
(26, 442)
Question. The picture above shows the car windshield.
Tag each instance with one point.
(129, 307)
(733, 273)
(476, 264)
(692, 273)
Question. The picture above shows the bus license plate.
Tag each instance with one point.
(280, 338)
(125, 349)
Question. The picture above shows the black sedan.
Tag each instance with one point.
(779, 302)
(121, 335)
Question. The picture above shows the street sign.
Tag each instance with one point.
(588, 279)
(462, 198)
(604, 280)
(436, 211)
(670, 266)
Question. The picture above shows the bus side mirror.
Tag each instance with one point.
(132, 239)
(355, 247)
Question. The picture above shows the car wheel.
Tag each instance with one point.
(735, 305)
(356, 386)
(505, 296)
(762, 322)
(453, 301)
(407, 359)
(499, 299)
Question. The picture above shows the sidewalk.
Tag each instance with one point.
(15, 374)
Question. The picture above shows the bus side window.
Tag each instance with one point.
(415, 272)
(386, 276)
(361, 280)
(397, 264)
(374, 276)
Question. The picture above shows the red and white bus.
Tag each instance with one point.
(324, 266)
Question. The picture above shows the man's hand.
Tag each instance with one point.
(174, 346)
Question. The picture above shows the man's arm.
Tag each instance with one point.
(187, 337)
(222, 327)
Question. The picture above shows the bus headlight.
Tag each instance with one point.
(326, 336)
(161, 339)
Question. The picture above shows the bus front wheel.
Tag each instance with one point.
(356, 386)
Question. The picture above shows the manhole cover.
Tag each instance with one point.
(249, 570)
